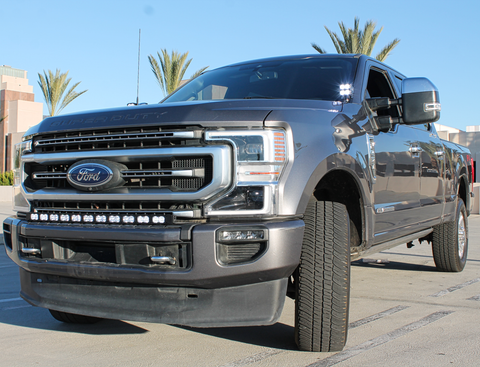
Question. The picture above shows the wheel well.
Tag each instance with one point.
(340, 186)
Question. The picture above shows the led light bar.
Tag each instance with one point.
(102, 218)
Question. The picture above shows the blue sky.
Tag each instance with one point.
(97, 41)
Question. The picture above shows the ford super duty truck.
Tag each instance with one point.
(250, 183)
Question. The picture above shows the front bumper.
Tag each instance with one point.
(205, 293)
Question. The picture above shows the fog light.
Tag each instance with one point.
(114, 219)
(143, 219)
(238, 245)
(43, 216)
(54, 217)
(242, 235)
(65, 218)
(33, 216)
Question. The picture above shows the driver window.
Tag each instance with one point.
(379, 86)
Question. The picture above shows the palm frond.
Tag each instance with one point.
(53, 87)
(383, 54)
(70, 96)
(198, 72)
(355, 40)
(335, 39)
(156, 70)
(318, 48)
(169, 70)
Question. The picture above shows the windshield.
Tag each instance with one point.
(311, 78)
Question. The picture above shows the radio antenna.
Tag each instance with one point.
(138, 72)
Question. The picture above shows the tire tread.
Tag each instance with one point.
(323, 279)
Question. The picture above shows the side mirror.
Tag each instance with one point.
(420, 101)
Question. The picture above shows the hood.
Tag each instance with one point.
(234, 113)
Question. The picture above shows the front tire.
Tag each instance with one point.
(450, 242)
(322, 279)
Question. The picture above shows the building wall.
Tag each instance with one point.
(16, 84)
(24, 115)
(18, 106)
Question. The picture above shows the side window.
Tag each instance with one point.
(378, 85)
(398, 82)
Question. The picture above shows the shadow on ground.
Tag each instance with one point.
(278, 336)
(40, 318)
(393, 265)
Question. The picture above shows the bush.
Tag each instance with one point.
(6, 178)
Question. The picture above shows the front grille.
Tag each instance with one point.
(128, 138)
(162, 175)
(175, 174)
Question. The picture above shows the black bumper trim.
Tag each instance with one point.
(99, 233)
(280, 259)
(254, 304)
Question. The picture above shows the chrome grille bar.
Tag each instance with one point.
(49, 176)
(118, 137)
(198, 172)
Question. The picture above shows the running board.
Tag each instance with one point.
(389, 244)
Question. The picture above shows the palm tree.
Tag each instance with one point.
(356, 41)
(169, 70)
(53, 87)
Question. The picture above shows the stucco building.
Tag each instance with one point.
(19, 109)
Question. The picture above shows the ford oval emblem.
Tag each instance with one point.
(89, 175)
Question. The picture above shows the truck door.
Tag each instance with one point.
(432, 173)
(397, 186)
(433, 169)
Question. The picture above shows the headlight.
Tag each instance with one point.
(260, 159)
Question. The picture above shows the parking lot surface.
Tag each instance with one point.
(403, 312)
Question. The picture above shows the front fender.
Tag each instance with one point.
(323, 141)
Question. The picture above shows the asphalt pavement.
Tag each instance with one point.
(403, 312)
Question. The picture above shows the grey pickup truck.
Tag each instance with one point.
(250, 183)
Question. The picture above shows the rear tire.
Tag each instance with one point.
(322, 279)
(71, 318)
(450, 242)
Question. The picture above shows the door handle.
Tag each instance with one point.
(415, 150)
